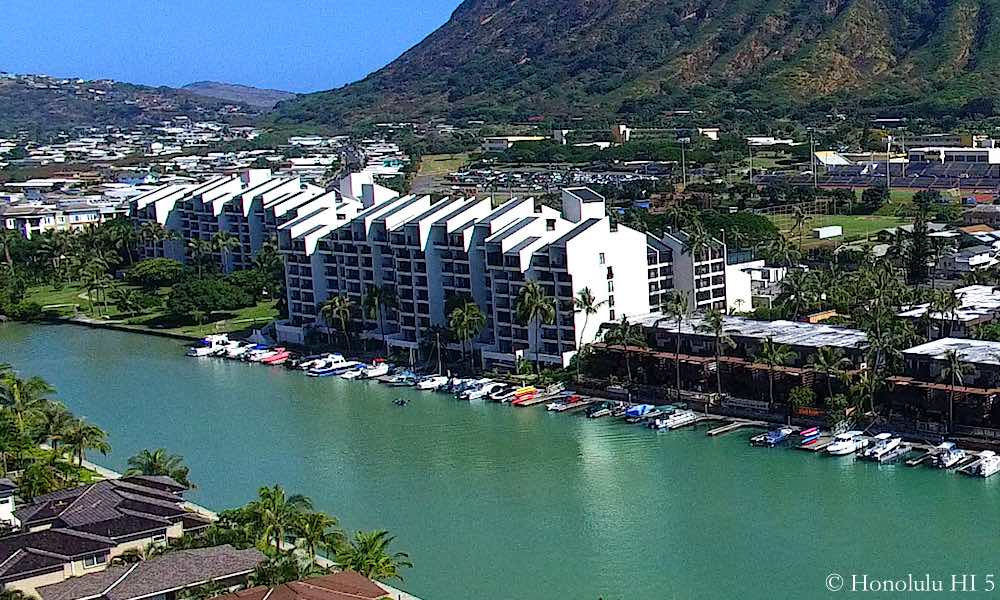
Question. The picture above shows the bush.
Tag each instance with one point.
(155, 272)
(22, 311)
(204, 296)
(251, 281)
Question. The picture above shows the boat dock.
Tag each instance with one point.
(730, 427)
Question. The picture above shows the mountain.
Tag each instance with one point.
(513, 59)
(45, 104)
(245, 94)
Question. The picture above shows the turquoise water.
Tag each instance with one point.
(493, 501)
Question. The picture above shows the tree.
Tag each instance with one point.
(159, 462)
(698, 242)
(24, 398)
(368, 553)
(224, 243)
(8, 239)
(799, 220)
(627, 335)
(83, 436)
(199, 249)
(154, 273)
(53, 424)
(800, 396)
(714, 324)
(337, 308)
(780, 251)
(274, 514)
(377, 301)
(585, 303)
(954, 373)
(316, 530)
(919, 249)
(535, 308)
(284, 568)
(37, 479)
(467, 322)
(676, 307)
(127, 300)
(831, 362)
(773, 355)
(207, 295)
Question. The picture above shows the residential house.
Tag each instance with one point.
(345, 585)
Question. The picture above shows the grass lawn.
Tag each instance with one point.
(222, 322)
(855, 227)
(442, 164)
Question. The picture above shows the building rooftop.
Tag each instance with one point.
(170, 572)
(586, 194)
(100, 502)
(976, 302)
(345, 585)
(792, 333)
(981, 352)
(46, 551)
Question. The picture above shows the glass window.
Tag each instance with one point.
(600, 258)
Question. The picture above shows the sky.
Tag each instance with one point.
(293, 45)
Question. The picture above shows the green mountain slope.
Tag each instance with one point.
(511, 59)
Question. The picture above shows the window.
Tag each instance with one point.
(94, 561)
(611, 315)
(600, 258)
(159, 538)
(611, 286)
(550, 224)
(611, 273)
(611, 301)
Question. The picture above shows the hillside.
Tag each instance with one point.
(511, 59)
(44, 104)
(244, 94)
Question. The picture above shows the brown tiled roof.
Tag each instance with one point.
(171, 572)
(99, 502)
(45, 551)
(346, 585)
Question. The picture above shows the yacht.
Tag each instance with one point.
(772, 438)
(679, 418)
(209, 345)
(987, 465)
(378, 369)
(305, 362)
(947, 455)
(846, 443)
(331, 365)
(237, 351)
(505, 393)
(354, 372)
(483, 391)
(280, 356)
(259, 354)
(881, 447)
(473, 386)
(434, 382)
(638, 412)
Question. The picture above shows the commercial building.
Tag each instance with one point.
(977, 305)
(950, 154)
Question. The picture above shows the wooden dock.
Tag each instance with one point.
(913, 462)
(733, 426)
(820, 444)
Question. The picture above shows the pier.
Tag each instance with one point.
(730, 427)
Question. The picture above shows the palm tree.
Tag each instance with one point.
(698, 242)
(37, 479)
(54, 423)
(368, 553)
(954, 373)
(127, 300)
(337, 308)
(797, 292)
(159, 462)
(679, 214)
(199, 249)
(24, 398)
(535, 307)
(831, 362)
(275, 514)
(627, 335)
(714, 324)
(585, 303)
(774, 355)
(224, 243)
(8, 239)
(316, 530)
(83, 436)
(467, 322)
(676, 307)
(376, 302)
(782, 252)
(799, 220)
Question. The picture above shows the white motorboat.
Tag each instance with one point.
(432, 382)
(881, 446)
(354, 372)
(679, 418)
(209, 345)
(484, 391)
(473, 388)
(987, 465)
(331, 365)
(256, 356)
(846, 443)
(947, 455)
(239, 350)
(375, 370)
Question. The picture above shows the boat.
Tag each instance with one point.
(208, 345)
(433, 382)
(504, 393)
(239, 349)
(599, 409)
(846, 443)
(809, 436)
(400, 402)
(987, 465)
(947, 455)
(569, 403)
(400, 377)
(376, 369)
(258, 355)
(354, 372)
(483, 391)
(680, 418)
(305, 362)
(280, 356)
(770, 439)
(331, 365)
(882, 447)
(226, 346)
(552, 390)
(524, 394)
(638, 412)
(471, 387)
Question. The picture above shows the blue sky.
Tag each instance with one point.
(295, 45)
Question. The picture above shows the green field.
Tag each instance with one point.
(442, 164)
(855, 226)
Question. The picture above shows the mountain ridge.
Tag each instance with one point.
(508, 59)
(264, 98)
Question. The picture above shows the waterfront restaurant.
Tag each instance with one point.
(921, 395)
(744, 374)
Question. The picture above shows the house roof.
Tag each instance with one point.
(792, 333)
(99, 502)
(981, 352)
(6, 485)
(586, 194)
(170, 572)
(42, 551)
(975, 302)
(345, 585)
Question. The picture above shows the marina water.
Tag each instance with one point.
(493, 501)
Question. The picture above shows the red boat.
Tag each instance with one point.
(279, 358)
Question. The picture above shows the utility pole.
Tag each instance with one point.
(750, 151)
(812, 158)
(888, 165)
(438, 336)
(684, 176)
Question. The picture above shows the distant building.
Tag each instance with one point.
(506, 142)
(978, 305)
(986, 214)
